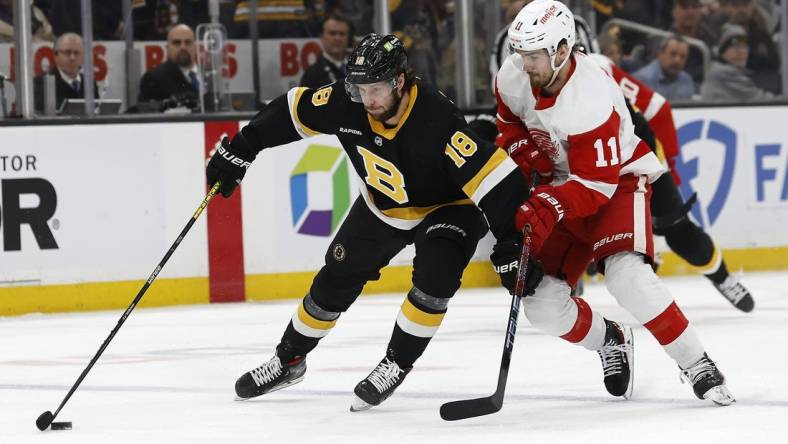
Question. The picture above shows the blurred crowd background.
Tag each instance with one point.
(688, 50)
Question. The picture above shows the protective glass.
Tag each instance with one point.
(370, 91)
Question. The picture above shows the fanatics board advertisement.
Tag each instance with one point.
(736, 159)
(101, 203)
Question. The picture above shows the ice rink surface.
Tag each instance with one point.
(168, 376)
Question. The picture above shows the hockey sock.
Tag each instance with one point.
(673, 332)
(582, 332)
(417, 322)
(695, 246)
(308, 325)
(633, 283)
(718, 270)
(551, 310)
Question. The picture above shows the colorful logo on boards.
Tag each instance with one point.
(319, 191)
(721, 135)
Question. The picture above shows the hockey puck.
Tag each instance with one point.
(61, 425)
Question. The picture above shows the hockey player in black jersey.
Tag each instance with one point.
(423, 178)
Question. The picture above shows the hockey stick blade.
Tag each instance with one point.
(470, 408)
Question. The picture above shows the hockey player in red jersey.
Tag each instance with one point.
(596, 204)
(668, 209)
(669, 212)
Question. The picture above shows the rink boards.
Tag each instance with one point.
(87, 211)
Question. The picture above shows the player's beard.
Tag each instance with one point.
(539, 80)
(388, 111)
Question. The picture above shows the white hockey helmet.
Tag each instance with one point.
(543, 24)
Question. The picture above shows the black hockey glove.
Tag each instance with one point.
(506, 258)
(229, 166)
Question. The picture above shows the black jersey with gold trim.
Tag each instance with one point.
(429, 160)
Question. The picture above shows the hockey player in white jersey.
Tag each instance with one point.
(571, 113)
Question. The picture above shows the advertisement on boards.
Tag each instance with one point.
(736, 160)
(282, 63)
(97, 203)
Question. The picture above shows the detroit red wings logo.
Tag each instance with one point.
(544, 142)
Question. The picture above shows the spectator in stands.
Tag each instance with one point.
(728, 77)
(610, 46)
(336, 38)
(278, 19)
(360, 13)
(66, 16)
(153, 19)
(42, 30)
(764, 59)
(67, 72)
(666, 74)
(688, 21)
(419, 24)
(174, 81)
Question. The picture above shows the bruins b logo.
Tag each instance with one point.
(383, 176)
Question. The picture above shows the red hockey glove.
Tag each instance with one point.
(542, 211)
(530, 160)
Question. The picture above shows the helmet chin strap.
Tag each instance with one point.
(556, 69)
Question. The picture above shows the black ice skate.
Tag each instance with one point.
(708, 382)
(270, 377)
(379, 385)
(736, 294)
(618, 359)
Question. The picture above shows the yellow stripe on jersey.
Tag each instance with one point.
(497, 159)
(304, 130)
(390, 133)
(419, 213)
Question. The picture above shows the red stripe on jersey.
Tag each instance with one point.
(582, 324)
(594, 156)
(640, 94)
(665, 131)
(637, 92)
(641, 149)
(510, 127)
(668, 325)
(226, 273)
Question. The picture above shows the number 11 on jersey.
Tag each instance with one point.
(601, 161)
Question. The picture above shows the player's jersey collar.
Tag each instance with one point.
(390, 133)
(544, 102)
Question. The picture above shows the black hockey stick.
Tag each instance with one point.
(469, 408)
(47, 417)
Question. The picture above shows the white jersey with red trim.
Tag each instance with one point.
(654, 107)
(585, 128)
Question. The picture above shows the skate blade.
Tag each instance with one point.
(359, 405)
(720, 395)
(629, 339)
(275, 388)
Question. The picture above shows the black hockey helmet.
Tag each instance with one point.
(377, 58)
